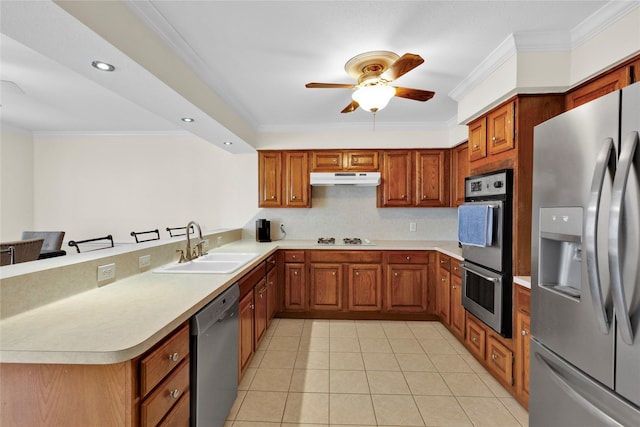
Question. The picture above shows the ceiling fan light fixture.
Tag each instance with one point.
(373, 98)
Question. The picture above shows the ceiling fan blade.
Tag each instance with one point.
(403, 65)
(330, 85)
(351, 107)
(415, 94)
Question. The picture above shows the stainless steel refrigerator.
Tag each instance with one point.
(585, 266)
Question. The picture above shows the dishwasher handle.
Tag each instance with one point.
(223, 307)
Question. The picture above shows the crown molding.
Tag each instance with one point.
(544, 42)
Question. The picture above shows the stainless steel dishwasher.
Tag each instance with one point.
(214, 360)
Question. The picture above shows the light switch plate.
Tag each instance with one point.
(106, 272)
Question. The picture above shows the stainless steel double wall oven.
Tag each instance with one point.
(487, 277)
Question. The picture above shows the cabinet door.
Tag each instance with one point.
(362, 160)
(295, 292)
(260, 312)
(601, 86)
(270, 179)
(326, 161)
(444, 296)
(432, 178)
(406, 288)
(457, 310)
(296, 181)
(522, 350)
(397, 172)
(326, 287)
(272, 294)
(365, 287)
(460, 170)
(500, 129)
(475, 338)
(246, 331)
(500, 360)
(478, 139)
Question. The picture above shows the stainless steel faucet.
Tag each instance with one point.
(197, 250)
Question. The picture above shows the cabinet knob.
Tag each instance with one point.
(174, 357)
(523, 332)
(273, 262)
(453, 286)
(404, 196)
(494, 357)
(475, 146)
(335, 161)
(294, 257)
(424, 197)
(444, 279)
(174, 393)
(395, 274)
(293, 197)
(252, 306)
(333, 273)
(494, 139)
(474, 339)
(408, 258)
(295, 273)
(357, 273)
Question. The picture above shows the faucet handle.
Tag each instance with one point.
(201, 250)
(182, 258)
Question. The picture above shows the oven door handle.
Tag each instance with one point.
(471, 270)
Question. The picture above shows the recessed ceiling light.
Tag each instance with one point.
(188, 119)
(228, 143)
(103, 66)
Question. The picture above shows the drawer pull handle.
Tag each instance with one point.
(174, 357)
(174, 393)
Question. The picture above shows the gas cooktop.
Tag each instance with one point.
(348, 241)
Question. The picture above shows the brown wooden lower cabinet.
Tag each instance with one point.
(406, 285)
(475, 337)
(364, 283)
(521, 334)
(325, 287)
(149, 390)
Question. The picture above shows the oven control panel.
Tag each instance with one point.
(491, 185)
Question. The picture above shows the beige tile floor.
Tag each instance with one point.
(368, 373)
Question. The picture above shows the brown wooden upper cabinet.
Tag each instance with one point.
(283, 187)
(344, 160)
(414, 178)
(621, 76)
(478, 139)
(459, 171)
(500, 129)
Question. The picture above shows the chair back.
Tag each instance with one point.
(52, 239)
(23, 251)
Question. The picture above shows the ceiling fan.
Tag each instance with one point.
(374, 71)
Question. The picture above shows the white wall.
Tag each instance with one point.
(16, 183)
(93, 186)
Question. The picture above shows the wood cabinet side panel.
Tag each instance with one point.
(68, 395)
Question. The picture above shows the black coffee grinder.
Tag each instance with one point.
(263, 230)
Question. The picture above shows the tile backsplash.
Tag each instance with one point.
(345, 211)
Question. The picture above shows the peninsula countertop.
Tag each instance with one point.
(122, 320)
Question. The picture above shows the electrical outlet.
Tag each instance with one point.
(144, 261)
(106, 272)
(412, 226)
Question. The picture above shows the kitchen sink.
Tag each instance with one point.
(213, 263)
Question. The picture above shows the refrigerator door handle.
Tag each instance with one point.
(628, 149)
(605, 161)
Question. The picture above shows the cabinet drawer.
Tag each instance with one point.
(362, 160)
(179, 415)
(293, 256)
(500, 360)
(475, 338)
(413, 257)
(271, 262)
(158, 364)
(346, 256)
(444, 262)
(160, 402)
(249, 280)
(456, 267)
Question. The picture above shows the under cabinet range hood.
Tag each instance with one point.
(363, 179)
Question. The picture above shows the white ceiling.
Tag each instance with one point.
(257, 56)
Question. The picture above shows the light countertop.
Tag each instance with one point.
(524, 281)
(122, 320)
